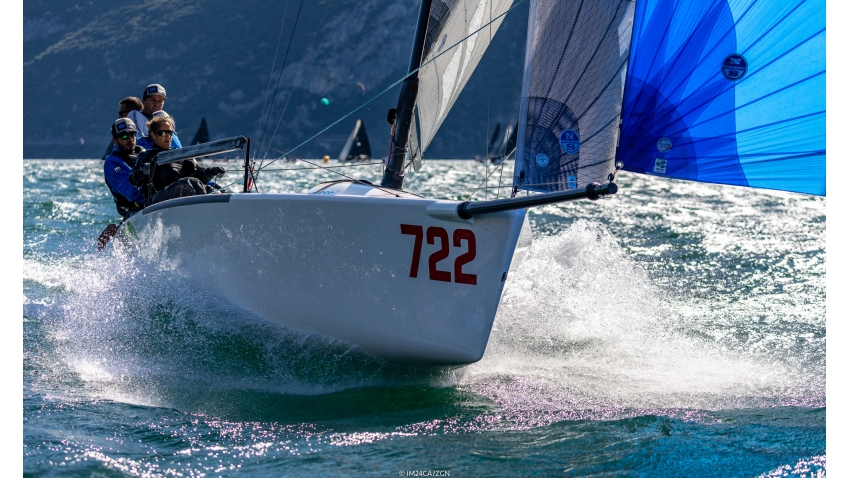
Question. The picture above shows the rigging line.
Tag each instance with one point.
(506, 186)
(488, 176)
(297, 77)
(399, 81)
(318, 166)
(487, 131)
(280, 75)
(274, 62)
(500, 177)
(546, 184)
(300, 169)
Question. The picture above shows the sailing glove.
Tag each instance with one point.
(216, 171)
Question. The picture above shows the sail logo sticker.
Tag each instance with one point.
(542, 160)
(660, 166)
(572, 182)
(569, 141)
(664, 145)
(734, 67)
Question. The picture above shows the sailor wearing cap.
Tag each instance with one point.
(119, 164)
(153, 99)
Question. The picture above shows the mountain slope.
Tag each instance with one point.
(215, 60)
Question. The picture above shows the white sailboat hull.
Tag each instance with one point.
(340, 265)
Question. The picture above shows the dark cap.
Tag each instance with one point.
(154, 89)
(123, 126)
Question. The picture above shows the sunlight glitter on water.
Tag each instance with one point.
(671, 306)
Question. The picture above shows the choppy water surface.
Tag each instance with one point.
(676, 329)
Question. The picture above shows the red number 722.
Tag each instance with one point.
(433, 234)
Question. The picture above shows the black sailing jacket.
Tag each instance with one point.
(162, 176)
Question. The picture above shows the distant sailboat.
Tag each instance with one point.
(357, 147)
(507, 145)
(203, 134)
(493, 146)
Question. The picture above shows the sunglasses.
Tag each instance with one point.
(164, 132)
(127, 136)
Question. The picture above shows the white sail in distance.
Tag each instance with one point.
(572, 92)
(441, 81)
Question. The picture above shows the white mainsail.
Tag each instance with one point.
(441, 81)
(572, 92)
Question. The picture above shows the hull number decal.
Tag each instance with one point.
(439, 235)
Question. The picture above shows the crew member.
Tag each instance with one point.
(153, 99)
(125, 106)
(128, 104)
(118, 165)
(146, 141)
(173, 180)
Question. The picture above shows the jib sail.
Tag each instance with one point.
(572, 93)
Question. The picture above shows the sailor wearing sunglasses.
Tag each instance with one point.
(118, 165)
(172, 180)
(147, 141)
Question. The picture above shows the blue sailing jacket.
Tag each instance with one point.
(146, 143)
(116, 172)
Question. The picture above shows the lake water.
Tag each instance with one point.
(675, 329)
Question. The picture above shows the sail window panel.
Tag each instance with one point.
(572, 93)
(442, 80)
(692, 111)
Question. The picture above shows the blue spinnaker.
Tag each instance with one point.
(730, 92)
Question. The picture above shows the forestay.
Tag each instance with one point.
(441, 81)
(730, 92)
(572, 92)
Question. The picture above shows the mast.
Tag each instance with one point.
(394, 172)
